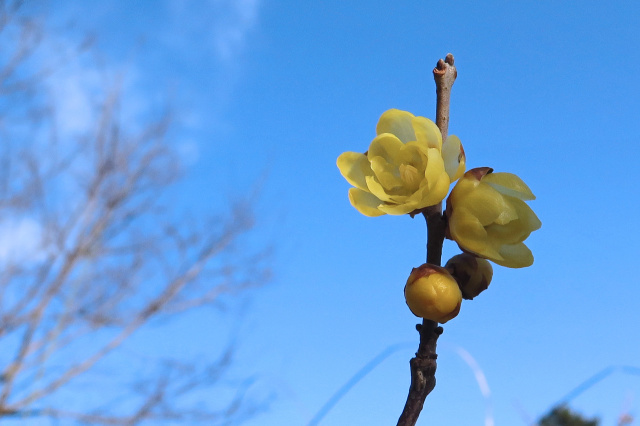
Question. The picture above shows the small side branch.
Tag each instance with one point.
(423, 365)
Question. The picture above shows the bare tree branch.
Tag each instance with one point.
(110, 253)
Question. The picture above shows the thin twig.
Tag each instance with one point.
(423, 365)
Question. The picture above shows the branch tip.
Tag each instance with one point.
(449, 59)
(444, 74)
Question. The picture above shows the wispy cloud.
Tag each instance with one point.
(78, 87)
(208, 44)
(72, 94)
(221, 26)
(230, 36)
(194, 50)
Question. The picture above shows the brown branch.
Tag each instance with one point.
(444, 74)
(423, 365)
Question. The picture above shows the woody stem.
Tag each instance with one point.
(423, 365)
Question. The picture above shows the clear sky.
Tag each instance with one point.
(272, 91)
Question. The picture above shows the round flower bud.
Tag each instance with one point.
(432, 293)
(472, 273)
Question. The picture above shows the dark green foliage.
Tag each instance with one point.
(562, 416)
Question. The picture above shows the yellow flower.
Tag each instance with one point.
(487, 216)
(403, 170)
(472, 273)
(432, 293)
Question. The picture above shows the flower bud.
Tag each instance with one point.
(472, 273)
(432, 293)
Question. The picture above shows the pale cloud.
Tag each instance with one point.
(72, 93)
(21, 240)
(221, 26)
(231, 34)
(207, 42)
(78, 89)
(210, 36)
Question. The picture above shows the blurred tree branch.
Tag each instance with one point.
(108, 252)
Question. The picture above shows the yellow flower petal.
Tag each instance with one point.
(398, 123)
(454, 158)
(517, 230)
(354, 167)
(435, 166)
(386, 146)
(364, 202)
(433, 193)
(525, 214)
(377, 189)
(469, 233)
(386, 174)
(510, 233)
(427, 132)
(488, 205)
(509, 184)
(415, 154)
(397, 209)
(433, 188)
(437, 191)
(436, 184)
(515, 256)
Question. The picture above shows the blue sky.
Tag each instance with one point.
(271, 92)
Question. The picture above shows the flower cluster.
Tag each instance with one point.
(407, 169)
